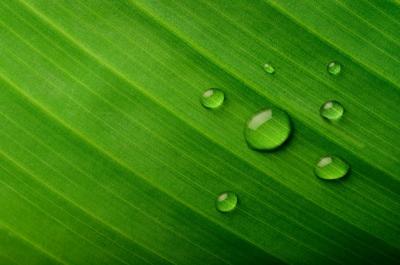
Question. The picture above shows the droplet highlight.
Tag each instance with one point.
(212, 98)
(267, 129)
(226, 202)
(334, 68)
(331, 110)
(269, 68)
(331, 167)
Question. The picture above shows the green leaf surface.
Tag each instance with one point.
(108, 157)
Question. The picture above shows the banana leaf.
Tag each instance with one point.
(108, 157)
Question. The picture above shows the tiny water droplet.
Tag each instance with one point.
(226, 202)
(331, 167)
(331, 110)
(212, 98)
(267, 129)
(269, 68)
(334, 68)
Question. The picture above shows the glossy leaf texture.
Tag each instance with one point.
(108, 157)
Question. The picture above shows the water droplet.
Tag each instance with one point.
(269, 68)
(212, 98)
(267, 129)
(331, 110)
(331, 167)
(334, 68)
(226, 202)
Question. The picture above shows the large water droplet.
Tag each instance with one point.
(212, 98)
(267, 129)
(331, 167)
(226, 202)
(334, 68)
(269, 68)
(331, 110)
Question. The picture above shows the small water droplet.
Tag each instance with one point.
(269, 68)
(331, 167)
(267, 129)
(331, 110)
(226, 202)
(334, 68)
(212, 98)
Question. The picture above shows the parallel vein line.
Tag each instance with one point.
(360, 62)
(161, 139)
(32, 244)
(65, 198)
(353, 33)
(298, 65)
(122, 164)
(217, 65)
(48, 214)
(340, 3)
(83, 172)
